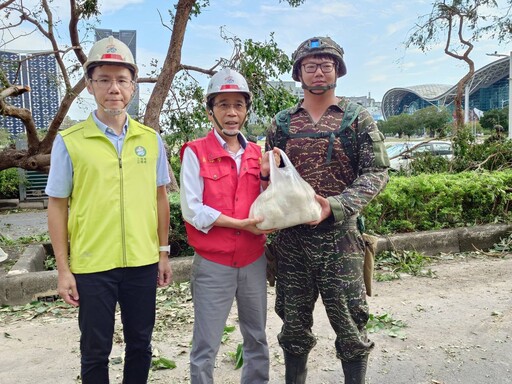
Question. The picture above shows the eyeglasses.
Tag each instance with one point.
(312, 67)
(227, 106)
(107, 83)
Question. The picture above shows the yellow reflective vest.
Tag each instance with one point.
(113, 218)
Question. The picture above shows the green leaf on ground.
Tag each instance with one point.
(162, 363)
(385, 322)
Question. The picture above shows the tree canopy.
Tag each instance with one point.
(176, 95)
(429, 121)
(494, 117)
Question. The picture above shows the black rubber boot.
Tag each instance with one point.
(355, 370)
(295, 368)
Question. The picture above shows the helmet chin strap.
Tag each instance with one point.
(230, 133)
(118, 111)
(321, 88)
(112, 112)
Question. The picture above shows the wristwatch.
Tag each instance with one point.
(165, 248)
(264, 178)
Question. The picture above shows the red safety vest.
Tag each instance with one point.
(231, 194)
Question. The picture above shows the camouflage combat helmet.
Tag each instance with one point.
(318, 46)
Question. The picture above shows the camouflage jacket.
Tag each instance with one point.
(349, 189)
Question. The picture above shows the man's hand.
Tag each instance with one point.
(326, 210)
(66, 288)
(265, 161)
(164, 271)
(250, 225)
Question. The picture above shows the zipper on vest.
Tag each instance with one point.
(121, 202)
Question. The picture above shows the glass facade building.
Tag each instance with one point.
(488, 89)
(39, 71)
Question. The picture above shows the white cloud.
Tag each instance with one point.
(436, 61)
(111, 6)
(376, 61)
(25, 39)
(399, 26)
(371, 32)
(145, 57)
(336, 10)
(378, 78)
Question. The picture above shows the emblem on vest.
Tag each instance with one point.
(141, 153)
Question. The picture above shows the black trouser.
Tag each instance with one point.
(135, 290)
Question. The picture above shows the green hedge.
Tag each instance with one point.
(417, 203)
(177, 234)
(435, 201)
(9, 184)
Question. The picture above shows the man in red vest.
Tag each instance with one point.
(221, 176)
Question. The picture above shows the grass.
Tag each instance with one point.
(390, 264)
(25, 240)
(15, 247)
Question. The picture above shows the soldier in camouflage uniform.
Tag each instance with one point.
(326, 257)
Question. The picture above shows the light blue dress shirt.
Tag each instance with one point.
(60, 179)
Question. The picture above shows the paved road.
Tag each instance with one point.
(23, 223)
(457, 332)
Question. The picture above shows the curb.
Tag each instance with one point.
(466, 239)
(8, 204)
(28, 282)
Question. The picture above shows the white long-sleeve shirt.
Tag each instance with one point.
(194, 212)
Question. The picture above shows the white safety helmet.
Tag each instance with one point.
(227, 81)
(110, 51)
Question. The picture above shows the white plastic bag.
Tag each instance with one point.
(289, 200)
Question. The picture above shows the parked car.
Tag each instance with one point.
(396, 149)
(402, 154)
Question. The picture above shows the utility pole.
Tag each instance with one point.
(509, 89)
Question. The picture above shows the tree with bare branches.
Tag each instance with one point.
(461, 23)
(41, 20)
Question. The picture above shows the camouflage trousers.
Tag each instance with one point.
(327, 262)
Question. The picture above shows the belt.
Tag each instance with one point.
(329, 225)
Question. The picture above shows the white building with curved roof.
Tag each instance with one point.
(488, 89)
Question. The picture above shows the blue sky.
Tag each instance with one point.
(371, 32)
